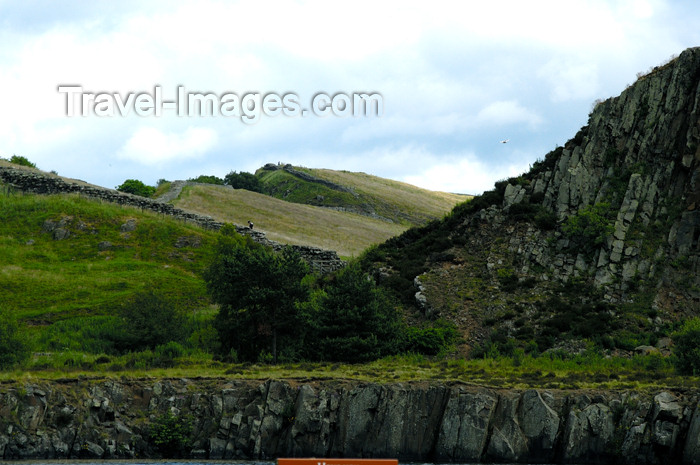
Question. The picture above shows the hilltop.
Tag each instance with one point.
(337, 210)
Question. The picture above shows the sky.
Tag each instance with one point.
(455, 79)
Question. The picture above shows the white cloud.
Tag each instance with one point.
(463, 175)
(448, 71)
(571, 79)
(507, 112)
(150, 146)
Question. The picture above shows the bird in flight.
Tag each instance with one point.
(505, 141)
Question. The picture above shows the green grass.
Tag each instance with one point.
(586, 371)
(394, 199)
(399, 202)
(43, 280)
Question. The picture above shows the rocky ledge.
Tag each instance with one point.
(250, 420)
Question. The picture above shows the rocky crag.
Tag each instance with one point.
(610, 220)
(42, 183)
(253, 420)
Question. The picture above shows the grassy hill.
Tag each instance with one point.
(289, 223)
(338, 210)
(359, 192)
(66, 258)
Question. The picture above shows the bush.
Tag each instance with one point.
(244, 180)
(204, 179)
(22, 161)
(590, 227)
(149, 320)
(430, 341)
(136, 187)
(686, 348)
(171, 434)
(13, 348)
(545, 220)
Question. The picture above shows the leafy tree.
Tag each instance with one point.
(22, 161)
(257, 291)
(244, 180)
(13, 346)
(204, 179)
(136, 187)
(686, 348)
(149, 319)
(353, 319)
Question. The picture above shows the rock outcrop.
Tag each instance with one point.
(251, 420)
(609, 222)
(321, 260)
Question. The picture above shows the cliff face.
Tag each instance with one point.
(412, 422)
(640, 153)
(604, 229)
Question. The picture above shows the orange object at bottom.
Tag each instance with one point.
(317, 461)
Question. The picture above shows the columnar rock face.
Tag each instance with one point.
(617, 208)
(252, 420)
(641, 149)
(645, 144)
(321, 260)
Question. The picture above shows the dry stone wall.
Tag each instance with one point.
(320, 260)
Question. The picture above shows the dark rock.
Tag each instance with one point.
(129, 226)
(104, 245)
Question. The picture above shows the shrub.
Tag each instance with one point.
(686, 348)
(244, 180)
(432, 340)
(204, 179)
(22, 161)
(171, 434)
(590, 227)
(545, 220)
(136, 187)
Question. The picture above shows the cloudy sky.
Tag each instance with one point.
(455, 78)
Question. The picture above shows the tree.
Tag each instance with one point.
(148, 320)
(13, 348)
(258, 291)
(353, 319)
(136, 187)
(244, 180)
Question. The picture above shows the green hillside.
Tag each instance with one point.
(357, 192)
(65, 257)
(337, 210)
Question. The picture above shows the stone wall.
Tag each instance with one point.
(251, 420)
(41, 183)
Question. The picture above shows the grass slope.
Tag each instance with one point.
(44, 280)
(393, 200)
(290, 223)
